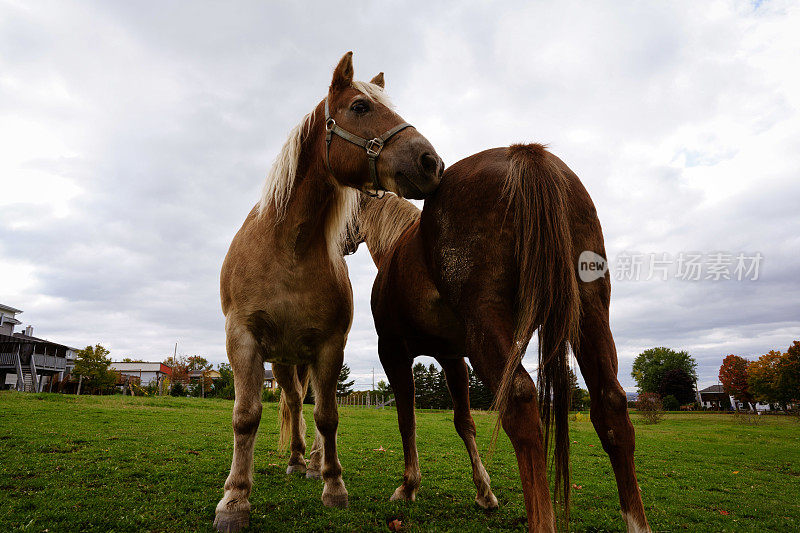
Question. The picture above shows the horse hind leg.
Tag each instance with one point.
(597, 358)
(396, 361)
(488, 344)
(293, 381)
(455, 371)
(233, 510)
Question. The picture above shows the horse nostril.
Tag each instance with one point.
(430, 163)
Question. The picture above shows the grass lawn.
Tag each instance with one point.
(117, 463)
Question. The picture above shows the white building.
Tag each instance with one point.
(147, 372)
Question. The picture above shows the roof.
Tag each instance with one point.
(9, 309)
(209, 373)
(719, 389)
(20, 335)
(141, 366)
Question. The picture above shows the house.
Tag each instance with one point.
(8, 319)
(28, 363)
(147, 372)
(208, 374)
(714, 397)
(31, 364)
(269, 379)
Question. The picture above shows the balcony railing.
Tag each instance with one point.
(50, 362)
(43, 362)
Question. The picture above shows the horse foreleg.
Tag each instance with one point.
(489, 338)
(455, 370)
(396, 362)
(597, 357)
(292, 380)
(325, 374)
(233, 511)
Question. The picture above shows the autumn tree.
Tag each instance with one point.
(790, 373)
(775, 377)
(180, 368)
(92, 364)
(733, 376)
(650, 366)
(762, 377)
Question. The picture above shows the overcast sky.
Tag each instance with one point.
(135, 137)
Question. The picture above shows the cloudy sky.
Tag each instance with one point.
(135, 137)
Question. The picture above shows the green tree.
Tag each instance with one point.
(579, 396)
(480, 396)
(678, 384)
(385, 388)
(650, 366)
(196, 362)
(223, 387)
(343, 386)
(92, 364)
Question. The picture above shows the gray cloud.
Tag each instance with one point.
(138, 136)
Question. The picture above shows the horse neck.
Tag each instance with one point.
(383, 220)
(318, 209)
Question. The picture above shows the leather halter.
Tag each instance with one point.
(373, 147)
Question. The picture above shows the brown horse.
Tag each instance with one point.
(284, 285)
(491, 260)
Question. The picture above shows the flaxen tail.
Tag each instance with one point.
(300, 384)
(547, 296)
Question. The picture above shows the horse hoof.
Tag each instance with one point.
(313, 474)
(231, 521)
(334, 499)
(401, 494)
(487, 502)
(296, 469)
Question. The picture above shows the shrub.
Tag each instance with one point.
(671, 403)
(271, 395)
(649, 406)
(177, 389)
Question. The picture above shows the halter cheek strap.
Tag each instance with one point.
(373, 147)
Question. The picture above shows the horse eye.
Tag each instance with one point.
(360, 107)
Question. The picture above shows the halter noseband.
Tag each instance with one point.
(372, 146)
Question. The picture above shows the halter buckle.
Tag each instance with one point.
(374, 147)
(329, 124)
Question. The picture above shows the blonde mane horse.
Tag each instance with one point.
(284, 287)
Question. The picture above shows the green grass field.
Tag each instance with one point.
(133, 464)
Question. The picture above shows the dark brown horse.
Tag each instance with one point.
(285, 291)
(493, 259)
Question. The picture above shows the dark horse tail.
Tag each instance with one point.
(547, 295)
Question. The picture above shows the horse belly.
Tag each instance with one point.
(286, 341)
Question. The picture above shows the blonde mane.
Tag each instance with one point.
(382, 221)
(283, 174)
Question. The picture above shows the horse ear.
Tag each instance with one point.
(378, 80)
(343, 73)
